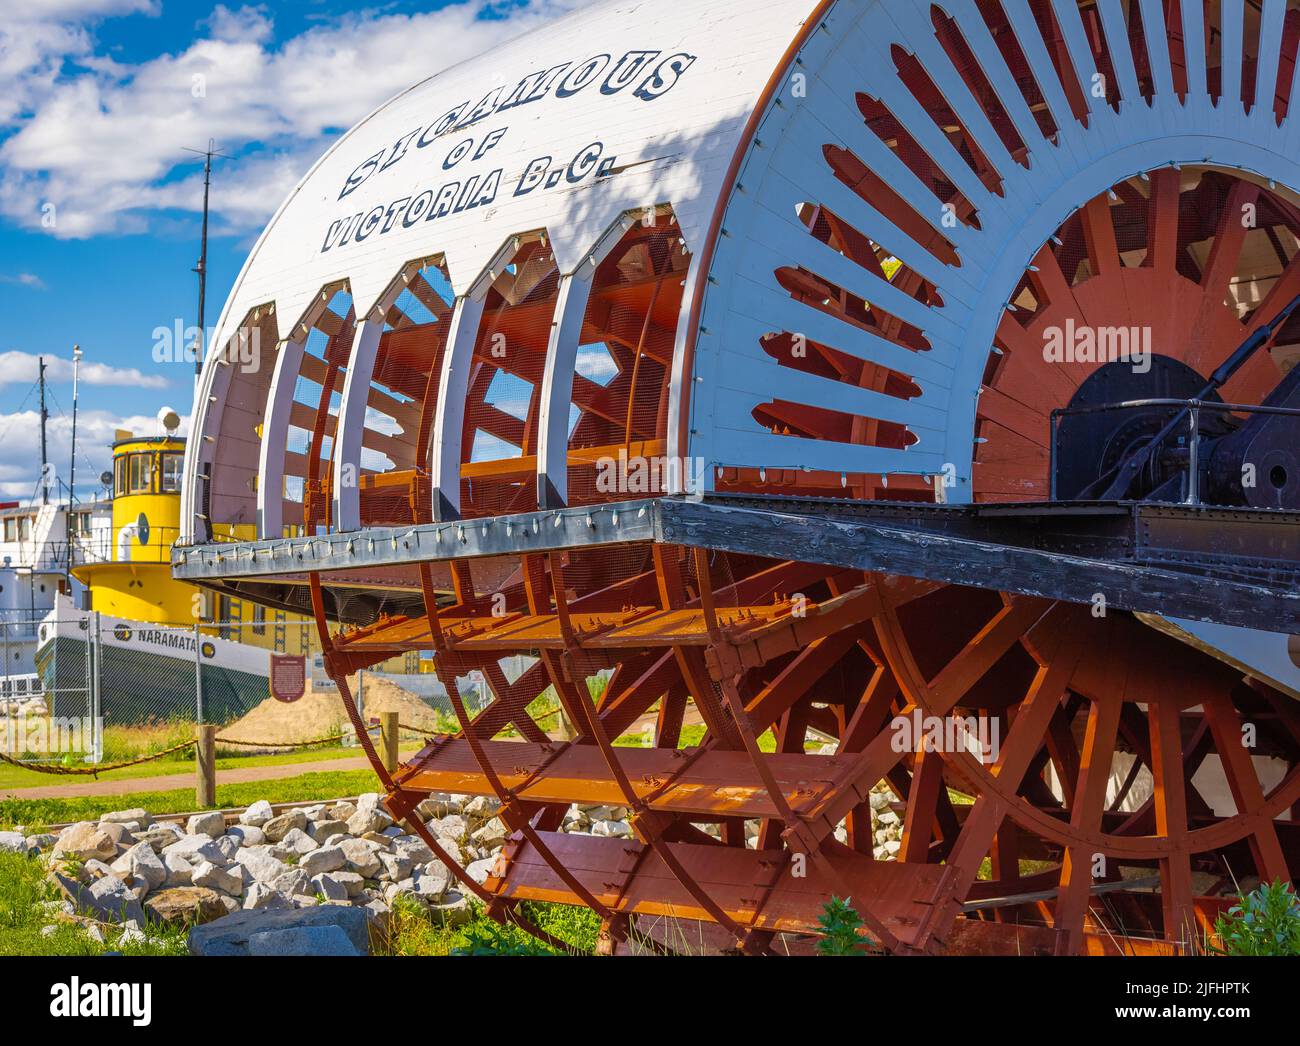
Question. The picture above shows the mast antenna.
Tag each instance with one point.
(45, 486)
(200, 347)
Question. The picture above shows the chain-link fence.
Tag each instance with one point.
(85, 687)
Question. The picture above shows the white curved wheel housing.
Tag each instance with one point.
(721, 112)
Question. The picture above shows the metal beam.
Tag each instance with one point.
(1067, 552)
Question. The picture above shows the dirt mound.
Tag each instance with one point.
(321, 713)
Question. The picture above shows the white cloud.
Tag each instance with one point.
(104, 142)
(20, 11)
(20, 446)
(38, 36)
(24, 279)
(17, 367)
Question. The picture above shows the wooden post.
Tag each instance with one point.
(388, 740)
(205, 766)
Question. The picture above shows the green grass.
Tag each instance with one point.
(12, 777)
(412, 930)
(23, 887)
(329, 785)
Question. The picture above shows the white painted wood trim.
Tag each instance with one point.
(275, 437)
(449, 416)
(350, 432)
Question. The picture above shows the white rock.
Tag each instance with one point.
(298, 841)
(247, 834)
(41, 842)
(179, 870)
(141, 861)
(278, 827)
(160, 836)
(323, 859)
(439, 804)
(260, 864)
(216, 878)
(261, 895)
(293, 883)
(257, 814)
(211, 824)
(453, 851)
(361, 857)
(396, 867)
(135, 815)
(368, 820)
(197, 848)
(330, 887)
(453, 825)
(86, 840)
(480, 808)
(351, 881)
(322, 828)
(376, 909)
(13, 843)
(131, 935)
(493, 833)
(412, 847)
(432, 883)
(453, 908)
(481, 869)
(229, 846)
(115, 900)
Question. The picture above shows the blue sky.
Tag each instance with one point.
(99, 202)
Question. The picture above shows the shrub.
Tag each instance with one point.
(839, 924)
(1265, 922)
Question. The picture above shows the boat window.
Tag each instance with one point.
(25, 528)
(171, 473)
(11, 530)
(140, 474)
